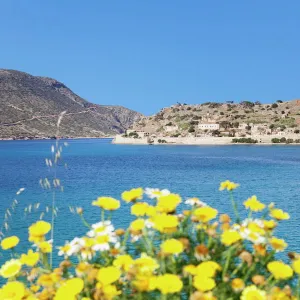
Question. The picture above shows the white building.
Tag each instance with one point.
(209, 126)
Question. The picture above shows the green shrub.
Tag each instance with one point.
(283, 140)
(191, 129)
(133, 135)
(175, 135)
(244, 140)
(275, 140)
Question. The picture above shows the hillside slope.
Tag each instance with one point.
(30, 105)
(223, 119)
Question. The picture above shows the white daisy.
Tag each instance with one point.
(69, 249)
(101, 228)
(102, 242)
(195, 201)
(156, 193)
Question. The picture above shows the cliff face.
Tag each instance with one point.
(30, 106)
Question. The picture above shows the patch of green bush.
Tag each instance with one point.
(244, 140)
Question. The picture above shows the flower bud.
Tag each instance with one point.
(186, 212)
(260, 249)
(185, 242)
(225, 226)
(246, 257)
(224, 218)
(79, 210)
(65, 264)
(287, 290)
(114, 251)
(258, 279)
(120, 231)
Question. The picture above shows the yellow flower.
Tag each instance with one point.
(205, 214)
(230, 237)
(38, 230)
(145, 265)
(47, 280)
(269, 224)
(151, 211)
(254, 204)
(145, 283)
(228, 185)
(278, 244)
(35, 288)
(10, 268)
(208, 269)
(123, 262)
(82, 268)
(13, 290)
(189, 270)
(296, 265)
(30, 259)
(203, 283)
(139, 209)
(237, 284)
(110, 292)
(137, 225)
(45, 247)
(9, 242)
(168, 203)
(132, 195)
(165, 223)
(280, 270)
(279, 214)
(69, 289)
(169, 284)
(108, 275)
(107, 203)
(253, 293)
(172, 246)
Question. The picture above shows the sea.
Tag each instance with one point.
(90, 168)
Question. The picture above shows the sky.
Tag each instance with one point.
(150, 54)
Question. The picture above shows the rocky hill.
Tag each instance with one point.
(30, 106)
(222, 119)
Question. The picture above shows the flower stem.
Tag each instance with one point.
(235, 210)
(102, 215)
(226, 263)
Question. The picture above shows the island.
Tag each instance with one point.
(214, 123)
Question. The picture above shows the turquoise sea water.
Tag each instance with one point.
(97, 168)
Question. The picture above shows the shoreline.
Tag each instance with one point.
(117, 140)
(225, 144)
(201, 141)
(54, 139)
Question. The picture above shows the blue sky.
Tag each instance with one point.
(146, 55)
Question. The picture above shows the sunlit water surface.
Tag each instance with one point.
(97, 167)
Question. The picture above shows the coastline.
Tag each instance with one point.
(202, 141)
(199, 141)
(60, 138)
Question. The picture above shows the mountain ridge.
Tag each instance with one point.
(30, 106)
